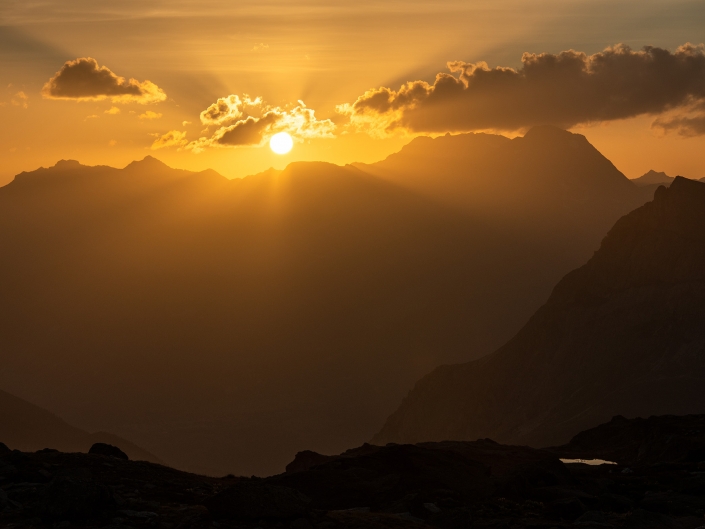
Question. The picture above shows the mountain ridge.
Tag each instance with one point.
(287, 310)
(617, 335)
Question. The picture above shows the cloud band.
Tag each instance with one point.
(564, 89)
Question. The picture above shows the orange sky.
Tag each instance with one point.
(324, 53)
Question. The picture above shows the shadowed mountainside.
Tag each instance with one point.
(226, 325)
(624, 334)
(26, 427)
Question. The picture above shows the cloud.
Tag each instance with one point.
(150, 115)
(564, 89)
(229, 108)
(687, 122)
(245, 121)
(173, 138)
(83, 79)
(184, 123)
(113, 111)
(20, 99)
(685, 126)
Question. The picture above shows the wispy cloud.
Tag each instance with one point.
(173, 138)
(20, 99)
(150, 115)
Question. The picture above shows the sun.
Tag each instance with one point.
(281, 143)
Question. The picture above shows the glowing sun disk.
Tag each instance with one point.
(281, 143)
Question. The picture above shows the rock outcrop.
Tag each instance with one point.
(103, 449)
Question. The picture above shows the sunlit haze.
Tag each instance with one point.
(333, 264)
(300, 62)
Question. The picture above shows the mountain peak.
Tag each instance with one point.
(550, 132)
(653, 177)
(148, 162)
(67, 165)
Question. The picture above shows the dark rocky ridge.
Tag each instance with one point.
(622, 335)
(447, 485)
(641, 442)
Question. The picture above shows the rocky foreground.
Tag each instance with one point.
(658, 481)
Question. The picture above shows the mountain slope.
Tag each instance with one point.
(26, 427)
(226, 325)
(624, 334)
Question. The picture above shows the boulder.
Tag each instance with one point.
(103, 449)
(4, 449)
(307, 459)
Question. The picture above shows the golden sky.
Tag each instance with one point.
(204, 83)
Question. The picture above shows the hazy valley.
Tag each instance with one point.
(226, 325)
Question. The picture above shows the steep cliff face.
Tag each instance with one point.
(624, 334)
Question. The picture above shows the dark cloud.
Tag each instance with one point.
(566, 89)
(83, 79)
(248, 131)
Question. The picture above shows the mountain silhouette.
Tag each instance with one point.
(227, 324)
(26, 427)
(530, 181)
(622, 335)
(653, 177)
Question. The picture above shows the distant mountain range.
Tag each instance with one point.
(26, 427)
(622, 335)
(226, 325)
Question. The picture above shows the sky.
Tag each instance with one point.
(205, 84)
